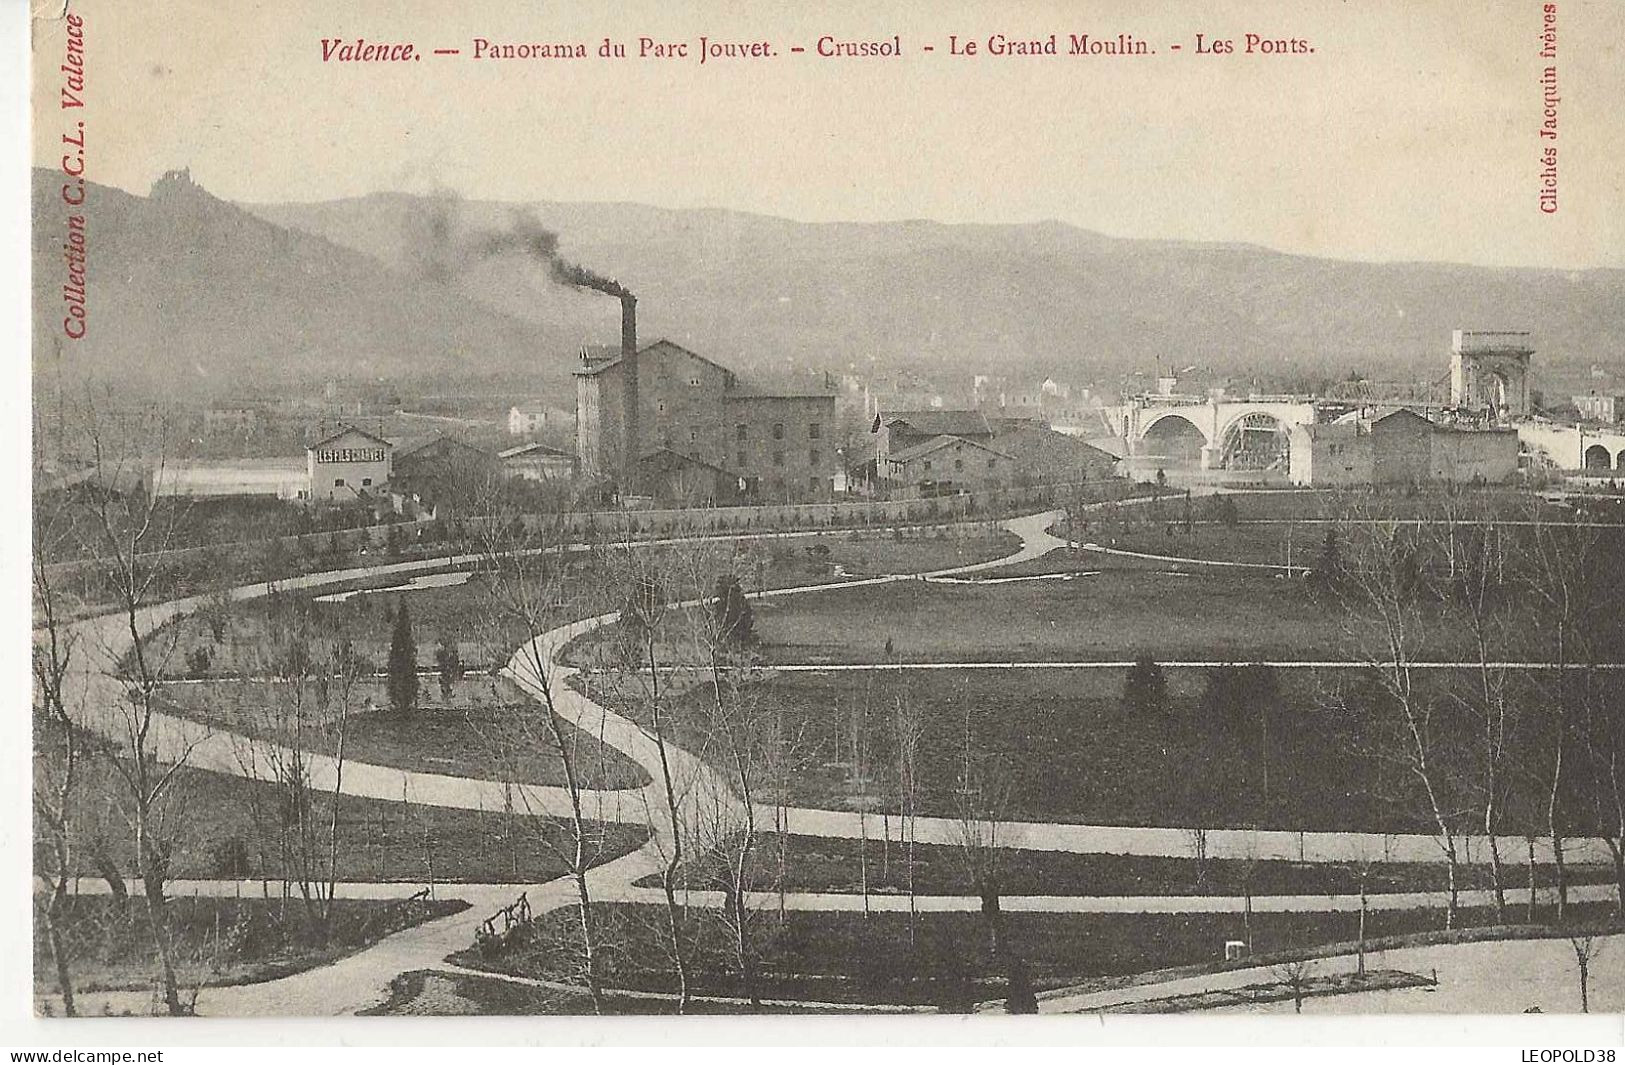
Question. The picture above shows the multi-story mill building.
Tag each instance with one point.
(703, 434)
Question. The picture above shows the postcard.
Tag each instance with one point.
(829, 509)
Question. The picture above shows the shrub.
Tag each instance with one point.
(1234, 693)
(1145, 689)
(736, 622)
(198, 661)
(231, 859)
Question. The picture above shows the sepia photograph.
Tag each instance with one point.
(835, 510)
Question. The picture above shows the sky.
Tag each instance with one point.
(1411, 132)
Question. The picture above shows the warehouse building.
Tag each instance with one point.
(269, 478)
(936, 451)
(704, 436)
(1398, 446)
(945, 464)
(537, 462)
(347, 466)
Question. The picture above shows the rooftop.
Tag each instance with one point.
(942, 422)
(937, 443)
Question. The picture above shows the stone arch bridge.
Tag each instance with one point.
(1246, 433)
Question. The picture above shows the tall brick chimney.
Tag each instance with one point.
(629, 394)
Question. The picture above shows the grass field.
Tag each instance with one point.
(1064, 747)
(947, 960)
(821, 865)
(1288, 528)
(1117, 615)
(1388, 503)
(233, 827)
(216, 940)
(245, 638)
(487, 728)
(458, 609)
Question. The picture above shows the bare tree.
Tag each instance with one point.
(643, 581)
(56, 782)
(1387, 611)
(1363, 865)
(1295, 975)
(1587, 946)
(528, 595)
(1603, 776)
(985, 787)
(908, 728)
(129, 526)
(304, 711)
(1476, 583)
(1577, 586)
(739, 721)
(860, 781)
(1568, 582)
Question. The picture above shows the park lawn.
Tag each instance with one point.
(1398, 503)
(793, 562)
(1269, 545)
(1062, 746)
(242, 639)
(455, 608)
(1282, 543)
(487, 728)
(920, 551)
(819, 864)
(1115, 616)
(226, 826)
(947, 960)
(216, 940)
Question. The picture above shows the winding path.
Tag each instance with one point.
(362, 979)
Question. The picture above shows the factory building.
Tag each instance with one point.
(1333, 455)
(348, 466)
(536, 462)
(1398, 447)
(698, 425)
(442, 470)
(948, 464)
(913, 452)
(268, 478)
(530, 419)
(1593, 407)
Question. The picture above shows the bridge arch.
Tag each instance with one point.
(1175, 436)
(1171, 417)
(1254, 440)
(1598, 458)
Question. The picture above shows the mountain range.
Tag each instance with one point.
(188, 294)
(188, 289)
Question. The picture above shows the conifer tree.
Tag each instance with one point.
(403, 665)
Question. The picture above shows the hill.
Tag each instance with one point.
(192, 295)
(757, 292)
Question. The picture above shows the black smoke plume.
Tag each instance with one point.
(438, 246)
(530, 238)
